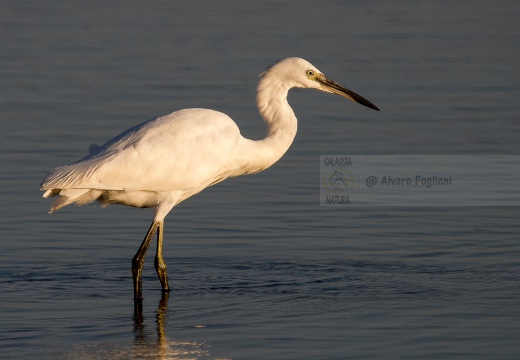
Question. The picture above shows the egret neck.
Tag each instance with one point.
(281, 124)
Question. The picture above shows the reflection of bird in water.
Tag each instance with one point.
(337, 180)
(149, 346)
(148, 343)
(162, 162)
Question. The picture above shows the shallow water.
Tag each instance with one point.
(258, 269)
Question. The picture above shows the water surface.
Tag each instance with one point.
(258, 269)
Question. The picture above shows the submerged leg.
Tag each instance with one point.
(160, 265)
(138, 261)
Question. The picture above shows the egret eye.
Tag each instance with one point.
(310, 73)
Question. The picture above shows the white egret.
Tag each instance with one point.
(161, 162)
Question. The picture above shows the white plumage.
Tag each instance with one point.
(152, 164)
(161, 162)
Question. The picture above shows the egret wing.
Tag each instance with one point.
(179, 151)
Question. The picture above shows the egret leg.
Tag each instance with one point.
(160, 265)
(138, 261)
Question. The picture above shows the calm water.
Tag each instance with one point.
(258, 269)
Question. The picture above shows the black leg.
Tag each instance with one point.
(160, 265)
(138, 261)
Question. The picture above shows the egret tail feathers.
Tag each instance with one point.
(69, 196)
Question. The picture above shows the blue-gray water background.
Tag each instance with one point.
(258, 269)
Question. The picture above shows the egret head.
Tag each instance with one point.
(297, 72)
